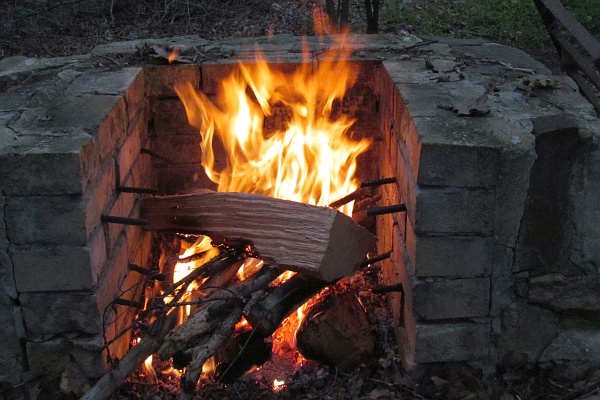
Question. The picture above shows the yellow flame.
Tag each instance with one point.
(312, 160)
(278, 385)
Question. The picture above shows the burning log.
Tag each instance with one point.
(316, 241)
(337, 332)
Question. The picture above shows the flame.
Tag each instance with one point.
(173, 55)
(278, 385)
(312, 160)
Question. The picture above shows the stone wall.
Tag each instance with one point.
(499, 253)
(70, 136)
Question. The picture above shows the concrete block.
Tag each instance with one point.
(159, 81)
(55, 313)
(46, 220)
(451, 211)
(52, 268)
(448, 299)
(459, 256)
(47, 165)
(461, 341)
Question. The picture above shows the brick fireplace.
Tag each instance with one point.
(496, 265)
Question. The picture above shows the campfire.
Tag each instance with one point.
(276, 232)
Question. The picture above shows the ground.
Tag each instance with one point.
(47, 29)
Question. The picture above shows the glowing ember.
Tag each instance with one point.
(278, 385)
(312, 161)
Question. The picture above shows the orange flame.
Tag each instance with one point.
(174, 54)
(312, 160)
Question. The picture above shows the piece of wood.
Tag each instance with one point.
(317, 241)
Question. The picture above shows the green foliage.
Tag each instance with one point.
(513, 21)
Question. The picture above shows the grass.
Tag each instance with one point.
(514, 22)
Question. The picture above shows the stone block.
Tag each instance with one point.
(55, 313)
(577, 349)
(503, 293)
(52, 268)
(47, 165)
(54, 356)
(459, 256)
(458, 152)
(103, 83)
(168, 117)
(450, 211)
(161, 80)
(448, 299)
(3, 235)
(11, 357)
(526, 331)
(566, 293)
(46, 220)
(7, 277)
(461, 341)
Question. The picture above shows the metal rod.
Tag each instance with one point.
(129, 303)
(377, 258)
(155, 155)
(152, 274)
(357, 194)
(371, 212)
(123, 220)
(387, 289)
(378, 182)
(128, 189)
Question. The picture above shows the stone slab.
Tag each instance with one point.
(11, 357)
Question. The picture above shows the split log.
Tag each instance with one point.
(316, 241)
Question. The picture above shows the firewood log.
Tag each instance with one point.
(316, 241)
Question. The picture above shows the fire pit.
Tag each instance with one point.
(494, 162)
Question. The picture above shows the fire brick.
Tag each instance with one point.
(169, 118)
(113, 129)
(159, 81)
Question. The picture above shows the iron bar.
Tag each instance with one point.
(128, 189)
(373, 211)
(377, 258)
(388, 289)
(155, 275)
(378, 182)
(128, 303)
(123, 220)
(156, 155)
